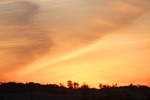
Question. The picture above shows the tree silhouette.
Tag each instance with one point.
(114, 85)
(75, 85)
(61, 85)
(131, 84)
(69, 84)
(100, 85)
(103, 86)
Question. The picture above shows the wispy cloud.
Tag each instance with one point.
(84, 22)
(21, 40)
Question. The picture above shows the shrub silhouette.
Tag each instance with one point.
(61, 85)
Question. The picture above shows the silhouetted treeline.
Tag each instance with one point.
(31, 86)
(28, 87)
(84, 92)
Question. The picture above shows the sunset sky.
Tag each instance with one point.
(92, 41)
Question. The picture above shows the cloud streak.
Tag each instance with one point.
(21, 40)
(86, 24)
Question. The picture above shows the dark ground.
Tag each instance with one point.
(35, 91)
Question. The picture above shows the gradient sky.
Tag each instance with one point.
(92, 41)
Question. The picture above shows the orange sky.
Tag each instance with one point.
(53, 41)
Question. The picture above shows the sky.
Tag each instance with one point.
(92, 41)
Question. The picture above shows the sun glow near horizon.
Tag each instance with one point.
(93, 64)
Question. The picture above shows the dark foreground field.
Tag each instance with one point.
(32, 91)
